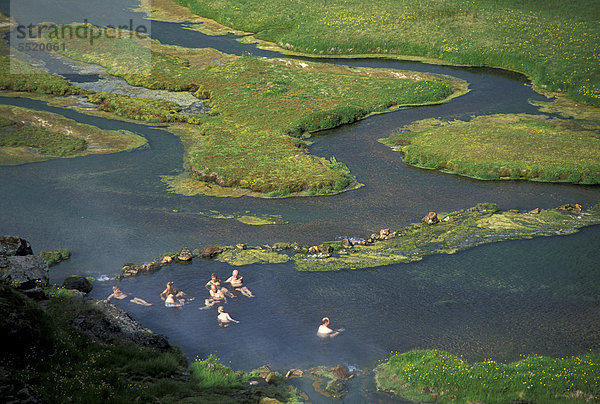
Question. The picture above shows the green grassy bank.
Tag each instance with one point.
(258, 109)
(432, 375)
(455, 231)
(452, 232)
(27, 136)
(557, 43)
(494, 147)
(62, 365)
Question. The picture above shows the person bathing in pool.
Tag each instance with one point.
(117, 294)
(224, 318)
(170, 289)
(216, 296)
(214, 280)
(172, 301)
(324, 331)
(235, 280)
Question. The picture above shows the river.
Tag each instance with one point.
(498, 301)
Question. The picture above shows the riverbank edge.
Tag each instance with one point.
(250, 37)
(61, 345)
(438, 376)
(500, 169)
(97, 141)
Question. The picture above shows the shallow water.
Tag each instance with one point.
(496, 301)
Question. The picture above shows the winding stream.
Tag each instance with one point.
(497, 301)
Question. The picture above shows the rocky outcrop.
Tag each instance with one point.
(20, 268)
(209, 252)
(78, 282)
(570, 207)
(14, 246)
(431, 218)
(108, 324)
(185, 255)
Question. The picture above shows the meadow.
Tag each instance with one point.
(259, 109)
(495, 147)
(432, 375)
(554, 42)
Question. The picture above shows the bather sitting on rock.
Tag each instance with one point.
(214, 280)
(117, 294)
(172, 301)
(236, 282)
(324, 331)
(224, 318)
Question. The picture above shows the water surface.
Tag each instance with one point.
(497, 301)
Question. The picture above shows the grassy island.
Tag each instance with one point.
(437, 233)
(27, 136)
(450, 233)
(259, 109)
(432, 375)
(557, 44)
(531, 147)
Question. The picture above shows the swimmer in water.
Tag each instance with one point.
(171, 301)
(236, 282)
(170, 289)
(117, 294)
(216, 296)
(214, 280)
(224, 318)
(324, 331)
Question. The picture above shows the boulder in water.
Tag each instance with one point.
(78, 282)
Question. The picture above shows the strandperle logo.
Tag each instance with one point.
(81, 31)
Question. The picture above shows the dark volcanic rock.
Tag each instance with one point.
(109, 324)
(77, 282)
(185, 254)
(19, 267)
(25, 272)
(11, 245)
(340, 372)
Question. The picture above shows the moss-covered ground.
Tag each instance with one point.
(238, 257)
(531, 147)
(456, 231)
(258, 109)
(62, 365)
(27, 136)
(51, 135)
(432, 375)
(554, 42)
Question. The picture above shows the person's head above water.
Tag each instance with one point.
(325, 320)
(235, 272)
(213, 276)
(221, 309)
